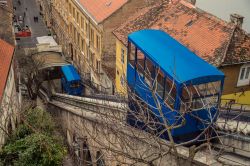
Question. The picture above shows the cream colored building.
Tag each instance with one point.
(84, 29)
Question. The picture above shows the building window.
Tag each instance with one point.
(87, 52)
(77, 18)
(79, 40)
(122, 55)
(92, 35)
(122, 79)
(71, 28)
(98, 66)
(83, 45)
(82, 24)
(76, 39)
(74, 35)
(99, 159)
(86, 29)
(74, 14)
(70, 9)
(244, 75)
(98, 43)
(92, 58)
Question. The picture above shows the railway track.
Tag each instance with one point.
(227, 152)
(113, 98)
(81, 102)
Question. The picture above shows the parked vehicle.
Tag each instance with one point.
(187, 88)
(22, 32)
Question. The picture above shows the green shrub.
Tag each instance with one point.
(34, 143)
(40, 120)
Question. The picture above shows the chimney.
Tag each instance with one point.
(237, 19)
(193, 2)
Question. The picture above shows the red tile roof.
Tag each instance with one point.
(102, 9)
(239, 48)
(6, 54)
(204, 34)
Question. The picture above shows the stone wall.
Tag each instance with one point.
(88, 134)
(9, 107)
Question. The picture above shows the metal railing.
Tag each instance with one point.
(81, 101)
(96, 88)
(231, 110)
(107, 97)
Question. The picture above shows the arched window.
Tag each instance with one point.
(86, 156)
(99, 159)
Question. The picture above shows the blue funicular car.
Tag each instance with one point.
(188, 88)
(71, 81)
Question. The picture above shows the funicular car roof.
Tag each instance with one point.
(174, 59)
(70, 73)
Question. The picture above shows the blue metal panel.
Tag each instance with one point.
(71, 77)
(183, 67)
(192, 124)
(70, 73)
(174, 59)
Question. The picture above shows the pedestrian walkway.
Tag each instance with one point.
(28, 10)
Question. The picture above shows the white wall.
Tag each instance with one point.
(9, 107)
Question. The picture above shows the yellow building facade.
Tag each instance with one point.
(121, 68)
(121, 75)
(238, 98)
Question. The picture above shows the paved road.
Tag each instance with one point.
(37, 28)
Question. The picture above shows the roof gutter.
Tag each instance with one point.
(234, 63)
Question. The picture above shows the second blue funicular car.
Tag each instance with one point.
(71, 81)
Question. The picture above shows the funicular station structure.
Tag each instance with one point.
(179, 87)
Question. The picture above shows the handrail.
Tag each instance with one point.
(86, 80)
(114, 98)
(232, 105)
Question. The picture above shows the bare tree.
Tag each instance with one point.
(9, 115)
(148, 139)
(31, 75)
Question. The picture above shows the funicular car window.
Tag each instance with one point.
(149, 72)
(132, 54)
(140, 63)
(200, 96)
(160, 83)
(75, 85)
(170, 92)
